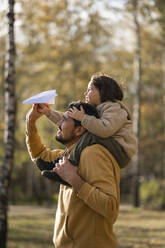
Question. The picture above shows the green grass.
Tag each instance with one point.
(32, 227)
(137, 228)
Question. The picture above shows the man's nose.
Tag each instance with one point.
(85, 93)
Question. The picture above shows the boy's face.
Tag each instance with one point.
(92, 95)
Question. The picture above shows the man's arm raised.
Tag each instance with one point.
(34, 144)
(31, 119)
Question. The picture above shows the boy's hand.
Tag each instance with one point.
(76, 114)
(43, 108)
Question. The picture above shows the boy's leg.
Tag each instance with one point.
(109, 143)
(115, 149)
(52, 175)
(44, 165)
(48, 165)
(47, 170)
(85, 140)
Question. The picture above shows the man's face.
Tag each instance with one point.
(66, 133)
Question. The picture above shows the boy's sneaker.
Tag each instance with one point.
(52, 175)
(45, 165)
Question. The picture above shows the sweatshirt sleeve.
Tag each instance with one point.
(108, 124)
(101, 174)
(37, 149)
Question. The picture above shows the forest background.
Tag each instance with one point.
(59, 45)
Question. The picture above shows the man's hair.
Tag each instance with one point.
(88, 109)
(108, 88)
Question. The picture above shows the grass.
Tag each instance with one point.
(31, 227)
(137, 228)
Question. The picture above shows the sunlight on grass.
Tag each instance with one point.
(136, 228)
(32, 227)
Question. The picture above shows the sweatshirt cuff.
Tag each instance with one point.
(84, 120)
(84, 191)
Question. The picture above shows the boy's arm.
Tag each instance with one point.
(52, 115)
(107, 125)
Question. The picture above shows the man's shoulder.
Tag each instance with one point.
(95, 150)
(97, 153)
(99, 157)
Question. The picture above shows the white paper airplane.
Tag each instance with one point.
(43, 97)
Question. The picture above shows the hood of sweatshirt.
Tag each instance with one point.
(118, 104)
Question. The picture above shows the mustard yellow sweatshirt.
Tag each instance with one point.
(85, 219)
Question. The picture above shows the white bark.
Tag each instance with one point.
(136, 110)
(10, 111)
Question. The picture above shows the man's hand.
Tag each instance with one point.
(76, 114)
(68, 172)
(33, 113)
(31, 118)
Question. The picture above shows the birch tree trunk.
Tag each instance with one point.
(10, 112)
(160, 4)
(163, 70)
(136, 110)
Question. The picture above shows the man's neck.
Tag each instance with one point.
(71, 143)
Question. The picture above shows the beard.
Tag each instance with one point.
(64, 141)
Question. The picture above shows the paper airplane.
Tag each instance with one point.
(43, 97)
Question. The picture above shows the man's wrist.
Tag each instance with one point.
(77, 182)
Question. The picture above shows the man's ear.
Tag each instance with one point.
(79, 130)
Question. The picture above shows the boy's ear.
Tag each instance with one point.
(79, 130)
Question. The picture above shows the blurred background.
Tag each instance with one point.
(59, 45)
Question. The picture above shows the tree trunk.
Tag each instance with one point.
(163, 82)
(10, 111)
(136, 111)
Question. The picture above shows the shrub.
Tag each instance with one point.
(55, 198)
(152, 195)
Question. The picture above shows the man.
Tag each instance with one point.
(87, 210)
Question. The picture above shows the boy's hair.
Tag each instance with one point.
(88, 109)
(108, 88)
